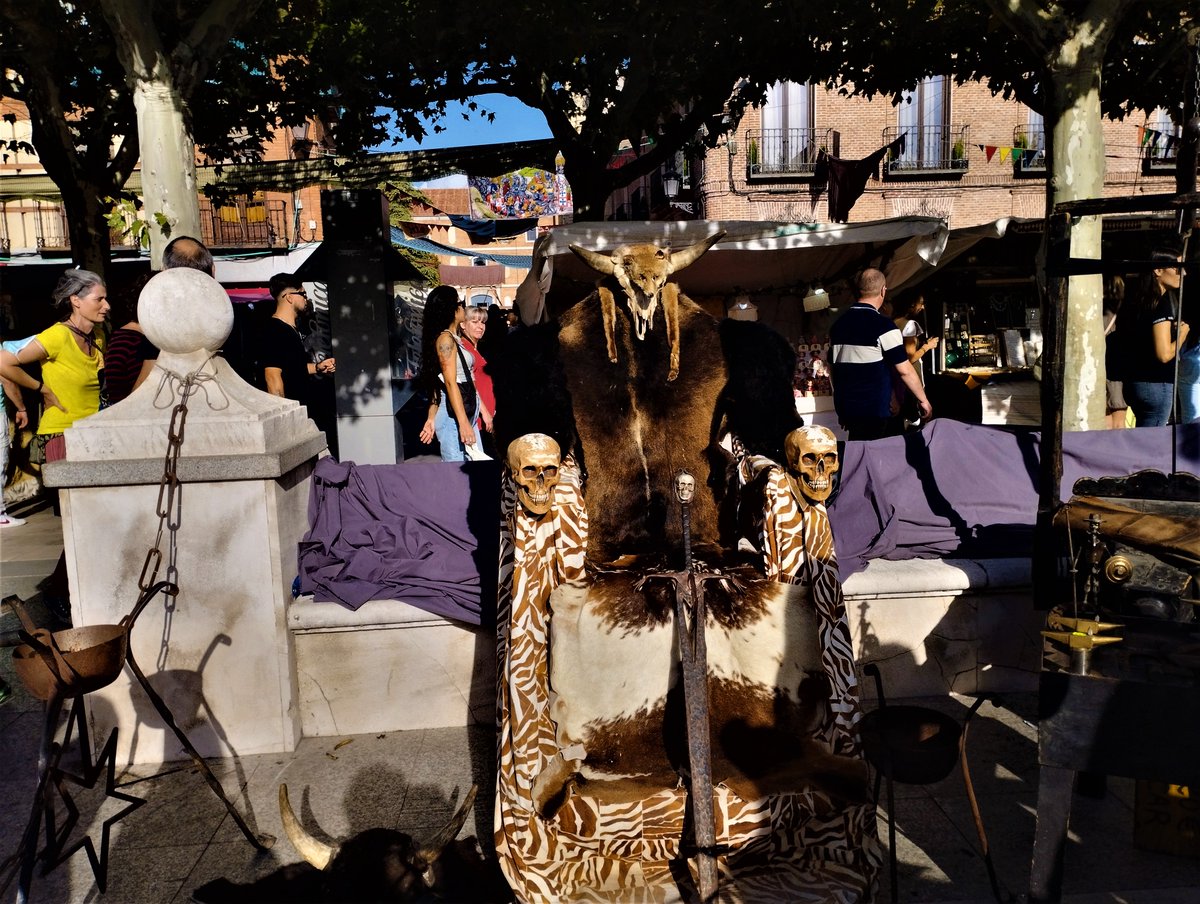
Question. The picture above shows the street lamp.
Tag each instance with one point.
(671, 182)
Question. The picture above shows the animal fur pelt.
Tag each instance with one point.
(631, 428)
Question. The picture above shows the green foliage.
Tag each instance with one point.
(400, 197)
(888, 46)
(124, 218)
(679, 73)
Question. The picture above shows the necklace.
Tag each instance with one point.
(89, 338)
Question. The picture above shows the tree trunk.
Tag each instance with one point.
(1076, 163)
(91, 241)
(168, 165)
(590, 186)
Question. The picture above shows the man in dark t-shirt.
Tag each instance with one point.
(865, 349)
(287, 368)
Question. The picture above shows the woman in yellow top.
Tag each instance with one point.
(72, 356)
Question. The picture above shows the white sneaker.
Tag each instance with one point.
(11, 521)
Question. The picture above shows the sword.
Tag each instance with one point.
(693, 654)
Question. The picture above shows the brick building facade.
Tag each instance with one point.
(764, 171)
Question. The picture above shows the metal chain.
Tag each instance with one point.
(168, 507)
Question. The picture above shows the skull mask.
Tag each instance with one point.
(533, 460)
(812, 460)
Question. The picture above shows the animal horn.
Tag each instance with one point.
(317, 853)
(688, 255)
(601, 263)
(432, 849)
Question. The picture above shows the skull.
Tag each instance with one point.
(533, 460)
(812, 460)
(685, 487)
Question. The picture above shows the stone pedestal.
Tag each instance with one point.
(220, 653)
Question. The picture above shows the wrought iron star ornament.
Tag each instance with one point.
(91, 775)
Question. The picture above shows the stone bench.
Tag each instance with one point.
(932, 626)
(940, 625)
(388, 666)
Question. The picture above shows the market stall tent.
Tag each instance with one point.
(753, 257)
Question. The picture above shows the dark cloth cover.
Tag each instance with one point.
(963, 490)
(425, 533)
(483, 231)
(848, 178)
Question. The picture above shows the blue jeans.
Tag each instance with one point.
(1189, 385)
(446, 428)
(1151, 402)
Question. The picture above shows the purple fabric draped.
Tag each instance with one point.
(425, 533)
(954, 489)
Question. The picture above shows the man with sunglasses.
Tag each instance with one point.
(287, 367)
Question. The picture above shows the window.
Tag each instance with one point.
(932, 142)
(787, 142)
(1029, 146)
(1160, 145)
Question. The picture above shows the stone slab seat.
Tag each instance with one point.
(933, 626)
(389, 666)
(939, 625)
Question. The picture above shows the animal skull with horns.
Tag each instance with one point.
(642, 272)
(812, 460)
(379, 864)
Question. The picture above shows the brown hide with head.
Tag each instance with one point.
(638, 428)
(641, 272)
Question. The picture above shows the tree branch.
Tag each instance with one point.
(1028, 20)
(137, 41)
(209, 36)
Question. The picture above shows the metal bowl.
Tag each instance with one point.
(86, 660)
(916, 745)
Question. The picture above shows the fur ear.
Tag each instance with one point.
(601, 263)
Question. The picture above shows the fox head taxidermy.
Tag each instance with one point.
(642, 272)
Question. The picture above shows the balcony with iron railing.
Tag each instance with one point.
(1029, 152)
(1160, 151)
(782, 154)
(236, 223)
(934, 151)
(244, 223)
(53, 235)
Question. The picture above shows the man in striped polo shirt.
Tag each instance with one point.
(865, 350)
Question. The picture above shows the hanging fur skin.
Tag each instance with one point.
(642, 272)
(632, 426)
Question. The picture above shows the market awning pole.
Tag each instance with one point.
(1054, 319)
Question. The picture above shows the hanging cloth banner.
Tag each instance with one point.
(523, 194)
(483, 231)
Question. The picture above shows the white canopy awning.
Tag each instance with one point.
(757, 257)
(259, 268)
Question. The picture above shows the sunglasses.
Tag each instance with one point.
(303, 295)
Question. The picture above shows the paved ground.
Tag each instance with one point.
(182, 837)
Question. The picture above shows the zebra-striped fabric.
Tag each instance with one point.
(799, 847)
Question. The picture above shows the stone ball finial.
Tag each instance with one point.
(183, 310)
